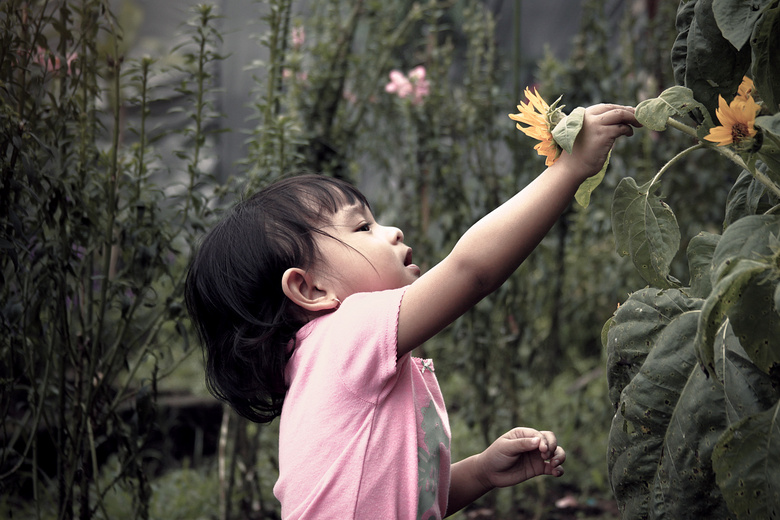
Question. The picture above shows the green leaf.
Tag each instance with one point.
(756, 323)
(770, 149)
(567, 129)
(749, 238)
(591, 183)
(771, 126)
(746, 461)
(747, 389)
(671, 415)
(713, 66)
(744, 276)
(700, 251)
(674, 101)
(766, 59)
(725, 294)
(743, 198)
(667, 421)
(646, 229)
(736, 18)
(634, 328)
(680, 47)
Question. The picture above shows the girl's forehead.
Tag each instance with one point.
(349, 212)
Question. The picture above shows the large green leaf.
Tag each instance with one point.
(636, 435)
(700, 251)
(766, 58)
(674, 101)
(663, 431)
(744, 275)
(713, 66)
(684, 483)
(680, 48)
(748, 390)
(749, 238)
(757, 324)
(725, 294)
(633, 329)
(645, 229)
(736, 18)
(770, 148)
(671, 414)
(746, 461)
(743, 198)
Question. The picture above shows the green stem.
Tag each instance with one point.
(674, 160)
(758, 174)
(766, 181)
(682, 127)
(200, 78)
(726, 152)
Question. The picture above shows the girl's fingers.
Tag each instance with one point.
(607, 107)
(549, 443)
(559, 457)
(524, 445)
(619, 116)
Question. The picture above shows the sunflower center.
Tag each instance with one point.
(739, 131)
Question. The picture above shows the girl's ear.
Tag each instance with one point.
(298, 286)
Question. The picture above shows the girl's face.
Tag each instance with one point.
(363, 256)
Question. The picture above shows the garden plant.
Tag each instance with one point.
(694, 367)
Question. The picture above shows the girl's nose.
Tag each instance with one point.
(396, 235)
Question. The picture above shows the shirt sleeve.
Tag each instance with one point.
(365, 351)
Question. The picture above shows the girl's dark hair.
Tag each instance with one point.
(233, 290)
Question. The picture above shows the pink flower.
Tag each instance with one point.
(399, 84)
(415, 86)
(43, 57)
(421, 86)
(289, 74)
(298, 36)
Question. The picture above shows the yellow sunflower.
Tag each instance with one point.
(746, 88)
(737, 121)
(538, 115)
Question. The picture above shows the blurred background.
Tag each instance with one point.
(128, 128)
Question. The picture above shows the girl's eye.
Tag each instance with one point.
(364, 227)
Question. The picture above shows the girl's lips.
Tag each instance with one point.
(409, 264)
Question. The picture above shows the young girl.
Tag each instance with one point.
(309, 309)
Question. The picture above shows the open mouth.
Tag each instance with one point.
(408, 259)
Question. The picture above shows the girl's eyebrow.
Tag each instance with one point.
(356, 210)
(347, 215)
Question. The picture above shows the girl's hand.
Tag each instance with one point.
(519, 455)
(601, 126)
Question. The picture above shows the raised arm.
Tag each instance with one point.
(491, 250)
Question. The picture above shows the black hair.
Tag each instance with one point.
(233, 290)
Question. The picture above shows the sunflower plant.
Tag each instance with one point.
(694, 366)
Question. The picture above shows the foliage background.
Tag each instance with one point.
(103, 403)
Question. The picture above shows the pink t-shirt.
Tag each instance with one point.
(360, 435)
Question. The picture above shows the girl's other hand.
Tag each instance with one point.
(519, 455)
